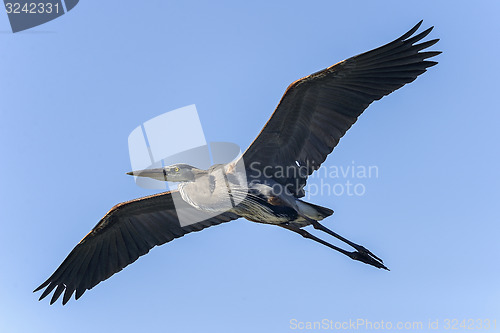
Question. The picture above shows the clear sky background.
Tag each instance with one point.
(72, 90)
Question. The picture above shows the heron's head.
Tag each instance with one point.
(171, 173)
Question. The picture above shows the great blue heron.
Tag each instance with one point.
(313, 114)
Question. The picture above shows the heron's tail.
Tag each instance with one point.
(313, 211)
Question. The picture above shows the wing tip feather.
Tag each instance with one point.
(411, 31)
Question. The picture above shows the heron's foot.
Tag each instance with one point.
(364, 250)
(368, 258)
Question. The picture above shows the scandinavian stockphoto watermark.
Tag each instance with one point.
(178, 137)
(329, 180)
(435, 324)
(26, 14)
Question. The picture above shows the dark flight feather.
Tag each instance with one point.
(317, 110)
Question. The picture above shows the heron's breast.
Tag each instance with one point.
(208, 193)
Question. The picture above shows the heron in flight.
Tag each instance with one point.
(311, 117)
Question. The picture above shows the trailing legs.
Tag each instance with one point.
(361, 253)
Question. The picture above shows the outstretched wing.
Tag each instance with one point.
(317, 110)
(128, 231)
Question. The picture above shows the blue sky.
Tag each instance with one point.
(73, 89)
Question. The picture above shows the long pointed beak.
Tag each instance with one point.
(158, 174)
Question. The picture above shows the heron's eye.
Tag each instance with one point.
(176, 169)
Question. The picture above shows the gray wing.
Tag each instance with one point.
(317, 110)
(128, 231)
